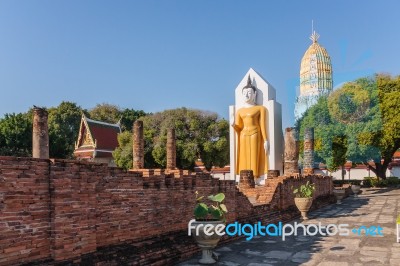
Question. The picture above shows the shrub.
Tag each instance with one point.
(367, 182)
(355, 182)
(372, 182)
(393, 181)
(352, 181)
(381, 183)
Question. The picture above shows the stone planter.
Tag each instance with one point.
(206, 242)
(339, 194)
(355, 189)
(303, 204)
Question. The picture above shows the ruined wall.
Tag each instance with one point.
(81, 212)
(24, 210)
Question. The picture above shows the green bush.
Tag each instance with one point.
(393, 181)
(373, 182)
(382, 183)
(367, 182)
(352, 181)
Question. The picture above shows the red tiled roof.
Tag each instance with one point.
(105, 135)
(96, 139)
(396, 154)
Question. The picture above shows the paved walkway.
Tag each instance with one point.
(378, 207)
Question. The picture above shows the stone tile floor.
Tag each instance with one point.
(374, 207)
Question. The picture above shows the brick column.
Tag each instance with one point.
(171, 149)
(138, 145)
(246, 179)
(40, 134)
(291, 151)
(308, 160)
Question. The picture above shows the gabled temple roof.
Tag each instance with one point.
(97, 136)
(104, 134)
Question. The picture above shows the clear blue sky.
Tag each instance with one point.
(156, 55)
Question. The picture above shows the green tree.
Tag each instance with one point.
(112, 114)
(106, 112)
(64, 121)
(16, 134)
(129, 116)
(358, 122)
(123, 155)
(199, 134)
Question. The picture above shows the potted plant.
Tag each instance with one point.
(303, 198)
(355, 187)
(339, 193)
(208, 217)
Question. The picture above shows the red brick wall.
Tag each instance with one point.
(24, 210)
(75, 211)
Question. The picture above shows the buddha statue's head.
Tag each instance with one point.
(249, 92)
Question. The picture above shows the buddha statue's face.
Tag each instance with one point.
(249, 95)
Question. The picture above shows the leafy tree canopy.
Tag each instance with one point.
(16, 135)
(64, 121)
(199, 134)
(358, 122)
(113, 114)
(123, 154)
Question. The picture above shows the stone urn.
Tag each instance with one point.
(206, 242)
(355, 189)
(339, 194)
(303, 204)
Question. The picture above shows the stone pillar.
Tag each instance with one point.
(308, 160)
(291, 151)
(138, 145)
(40, 134)
(246, 179)
(171, 149)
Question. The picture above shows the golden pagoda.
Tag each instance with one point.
(315, 76)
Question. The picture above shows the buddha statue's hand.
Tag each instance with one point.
(266, 147)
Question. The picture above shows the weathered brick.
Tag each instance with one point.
(69, 211)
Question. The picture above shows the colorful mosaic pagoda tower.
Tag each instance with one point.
(315, 76)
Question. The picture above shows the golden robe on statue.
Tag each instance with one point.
(250, 125)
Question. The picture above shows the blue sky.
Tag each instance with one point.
(157, 55)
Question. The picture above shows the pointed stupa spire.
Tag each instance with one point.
(315, 75)
(314, 35)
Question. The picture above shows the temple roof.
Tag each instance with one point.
(97, 137)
